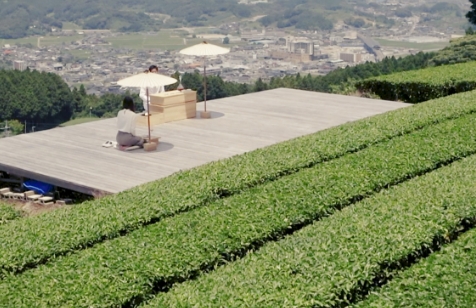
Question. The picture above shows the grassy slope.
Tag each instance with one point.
(7, 213)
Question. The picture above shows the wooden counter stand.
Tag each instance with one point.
(171, 106)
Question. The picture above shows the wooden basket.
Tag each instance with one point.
(152, 138)
(152, 146)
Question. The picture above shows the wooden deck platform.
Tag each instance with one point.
(72, 157)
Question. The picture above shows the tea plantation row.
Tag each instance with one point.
(127, 270)
(110, 217)
(421, 85)
(336, 261)
(445, 279)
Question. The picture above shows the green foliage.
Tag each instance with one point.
(7, 213)
(177, 248)
(422, 85)
(403, 13)
(104, 106)
(299, 18)
(260, 86)
(445, 279)
(45, 100)
(16, 127)
(471, 15)
(34, 96)
(337, 260)
(379, 19)
(312, 21)
(349, 88)
(216, 87)
(355, 22)
(134, 22)
(461, 50)
(21, 18)
(443, 7)
(98, 220)
(240, 10)
(312, 14)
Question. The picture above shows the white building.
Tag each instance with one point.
(19, 65)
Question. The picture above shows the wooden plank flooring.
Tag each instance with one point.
(72, 157)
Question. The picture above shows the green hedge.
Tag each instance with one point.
(445, 279)
(460, 50)
(7, 213)
(74, 228)
(421, 85)
(177, 248)
(335, 261)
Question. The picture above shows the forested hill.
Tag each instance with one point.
(20, 18)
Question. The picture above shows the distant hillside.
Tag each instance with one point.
(322, 14)
(313, 15)
(19, 18)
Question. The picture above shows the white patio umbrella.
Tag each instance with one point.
(146, 80)
(202, 50)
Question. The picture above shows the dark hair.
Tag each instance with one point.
(153, 67)
(128, 103)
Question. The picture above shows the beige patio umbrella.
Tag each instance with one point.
(146, 80)
(204, 49)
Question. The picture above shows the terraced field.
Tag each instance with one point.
(446, 278)
(319, 221)
(421, 85)
(336, 261)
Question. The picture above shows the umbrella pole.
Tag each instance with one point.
(205, 85)
(148, 113)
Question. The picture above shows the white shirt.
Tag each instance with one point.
(126, 121)
(152, 90)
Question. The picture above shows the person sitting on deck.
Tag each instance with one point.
(126, 125)
(152, 90)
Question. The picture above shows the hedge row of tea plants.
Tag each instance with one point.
(421, 85)
(445, 279)
(126, 269)
(7, 213)
(462, 49)
(336, 261)
(93, 222)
